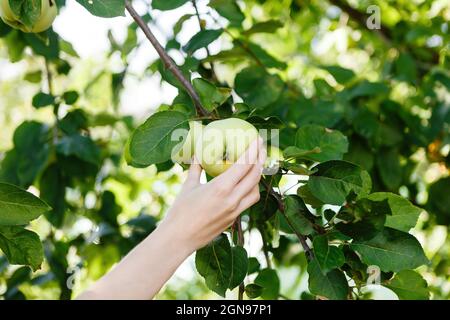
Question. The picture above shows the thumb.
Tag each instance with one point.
(194, 173)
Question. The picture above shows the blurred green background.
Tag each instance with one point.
(108, 207)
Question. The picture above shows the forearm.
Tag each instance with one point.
(142, 273)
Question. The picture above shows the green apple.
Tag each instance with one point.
(222, 143)
(48, 13)
(183, 153)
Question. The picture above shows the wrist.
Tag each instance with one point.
(175, 239)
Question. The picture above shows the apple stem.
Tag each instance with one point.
(167, 60)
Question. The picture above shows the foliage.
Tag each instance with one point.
(364, 122)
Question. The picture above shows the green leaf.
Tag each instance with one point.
(179, 25)
(328, 257)
(15, 44)
(152, 141)
(341, 75)
(391, 250)
(253, 265)
(74, 121)
(4, 29)
(21, 246)
(31, 151)
(70, 97)
(367, 88)
(269, 281)
(104, 8)
(367, 218)
(240, 266)
(202, 39)
(332, 285)
(253, 291)
(295, 214)
(359, 153)
(230, 10)
(33, 76)
(269, 26)
(439, 201)
(332, 143)
(28, 11)
(404, 214)
(263, 56)
(406, 68)
(211, 97)
(258, 88)
(334, 180)
(46, 46)
(215, 263)
(42, 99)
(80, 146)
(52, 187)
(265, 123)
(390, 169)
(409, 285)
(18, 207)
(167, 4)
(297, 153)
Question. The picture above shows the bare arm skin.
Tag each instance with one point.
(200, 213)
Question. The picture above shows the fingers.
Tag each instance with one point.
(252, 178)
(242, 166)
(194, 173)
(250, 199)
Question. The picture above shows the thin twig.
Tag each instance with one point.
(282, 209)
(49, 77)
(202, 27)
(240, 241)
(265, 249)
(167, 60)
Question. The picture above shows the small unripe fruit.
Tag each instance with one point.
(49, 10)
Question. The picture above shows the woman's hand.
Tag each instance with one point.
(202, 211)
